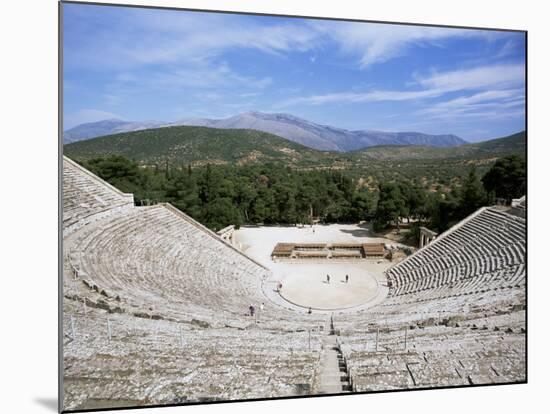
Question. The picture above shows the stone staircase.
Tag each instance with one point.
(333, 377)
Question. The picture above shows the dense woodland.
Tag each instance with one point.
(219, 195)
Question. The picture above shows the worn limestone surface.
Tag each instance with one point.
(155, 311)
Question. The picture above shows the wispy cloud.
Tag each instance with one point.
(434, 85)
(205, 80)
(152, 64)
(357, 97)
(473, 78)
(489, 104)
(166, 37)
(378, 43)
(509, 48)
(207, 76)
(249, 94)
(493, 97)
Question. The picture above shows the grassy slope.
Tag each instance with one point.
(511, 144)
(189, 144)
(200, 145)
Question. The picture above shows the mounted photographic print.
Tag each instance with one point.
(260, 206)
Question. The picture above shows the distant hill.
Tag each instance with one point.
(324, 137)
(515, 144)
(201, 145)
(197, 145)
(301, 131)
(106, 127)
(375, 138)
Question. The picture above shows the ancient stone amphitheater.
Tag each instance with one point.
(155, 312)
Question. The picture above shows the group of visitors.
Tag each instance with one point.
(252, 309)
(328, 279)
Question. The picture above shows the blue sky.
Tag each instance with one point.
(146, 64)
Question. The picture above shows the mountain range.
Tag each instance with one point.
(198, 145)
(290, 127)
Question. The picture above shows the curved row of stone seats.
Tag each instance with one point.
(178, 294)
(490, 293)
(417, 311)
(151, 256)
(433, 357)
(477, 267)
(147, 362)
(159, 276)
(86, 195)
(156, 263)
(485, 242)
(468, 277)
(487, 229)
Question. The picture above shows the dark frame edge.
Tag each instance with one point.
(295, 397)
(526, 214)
(295, 16)
(60, 203)
(60, 363)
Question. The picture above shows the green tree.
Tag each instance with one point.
(245, 194)
(391, 206)
(209, 185)
(361, 206)
(264, 209)
(220, 213)
(443, 210)
(285, 201)
(473, 194)
(506, 178)
(182, 192)
(121, 172)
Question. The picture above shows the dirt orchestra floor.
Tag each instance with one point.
(306, 285)
(304, 281)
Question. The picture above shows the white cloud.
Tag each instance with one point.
(209, 96)
(508, 49)
(249, 95)
(377, 43)
(179, 51)
(206, 76)
(204, 79)
(489, 105)
(357, 97)
(171, 38)
(435, 85)
(479, 77)
(492, 98)
(167, 37)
